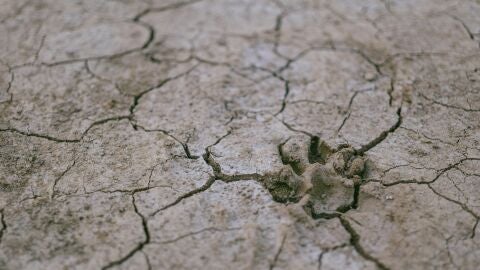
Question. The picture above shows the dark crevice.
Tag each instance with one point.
(277, 32)
(313, 153)
(241, 177)
(294, 129)
(146, 44)
(474, 229)
(277, 254)
(429, 137)
(60, 177)
(448, 105)
(285, 96)
(129, 191)
(187, 151)
(318, 151)
(355, 242)
(96, 76)
(391, 89)
(61, 140)
(278, 23)
(93, 58)
(217, 175)
(35, 58)
(278, 183)
(147, 260)
(151, 34)
(467, 29)
(320, 257)
(209, 229)
(325, 215)
(297, 57)
(440, 173)
(345, 48)
(17, 12)
(227, 178)
(382, 135)
(140, 245)
(38, 135)
(277, 74)
(375, 65)
(356, 195)
(429, 185)
(348, 110)
(405, 181)
(344, 121)
(208, 158)
(462, 205)
(205, 186)
(9, 86)
(3, 223)
(184, 145)
(177, 5)
(137, 97)
(103, 121)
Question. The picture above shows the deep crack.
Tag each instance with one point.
(383, 135)
(355, 242)
(140, 245)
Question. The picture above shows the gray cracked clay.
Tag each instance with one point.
(242, 134)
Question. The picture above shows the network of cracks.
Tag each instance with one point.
(323, 180)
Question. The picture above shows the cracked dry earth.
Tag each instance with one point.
(228, 134)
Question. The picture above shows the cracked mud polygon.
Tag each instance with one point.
(251, 134)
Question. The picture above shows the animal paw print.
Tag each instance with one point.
(324, 180)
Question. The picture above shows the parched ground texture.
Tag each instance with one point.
(239, 134)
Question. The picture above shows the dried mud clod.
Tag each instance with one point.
(329, 178)
(285, 186)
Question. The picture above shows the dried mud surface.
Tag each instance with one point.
(239, 134)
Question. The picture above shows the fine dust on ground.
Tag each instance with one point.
(239, 134)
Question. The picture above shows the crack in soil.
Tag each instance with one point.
(140, 245)
(355, 242)
(3, 223)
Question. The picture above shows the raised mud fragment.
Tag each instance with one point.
(285, 186)
(294, 152)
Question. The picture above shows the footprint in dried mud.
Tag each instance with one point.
(325, 181)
